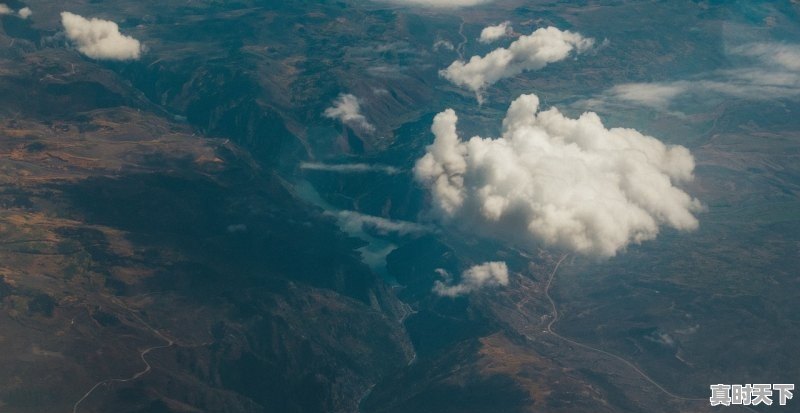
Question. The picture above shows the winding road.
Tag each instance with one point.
(132, 378)
(142, 355)
(632, 366)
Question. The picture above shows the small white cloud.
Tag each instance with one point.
(25, 12)
(557, 181)
(4, 9)
(350, 168)
(493, 33)
(532, 52)
(490, 274)
(347, 109)
(100, 39)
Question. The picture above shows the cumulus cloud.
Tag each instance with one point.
(490, 274)
(25, 12)
(531, 52)
(100, 39)
(445, 4)
(558, 181)
(350, 168)
(347, 109)
(4, 9)
(493, 33)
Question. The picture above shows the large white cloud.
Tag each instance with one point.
(531, 52)
(347, 109)
(490, 274)
(25, 12)
(557, 181)
(4, 9)
(490, 34)
(100, 39)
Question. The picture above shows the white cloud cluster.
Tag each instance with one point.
(23, 13)
(100, 39)
(350, 168)
(490, 274)
(444, 4)
(568, 183)
(493, 33)
(531, 52)
(347, 109)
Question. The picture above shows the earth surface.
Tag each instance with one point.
(178, 234)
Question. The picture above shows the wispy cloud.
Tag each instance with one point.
(771, 71)
(443, 44)
(350, 168)
(355, 222)
(787, 56)
(656, 95)
(444, 4)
